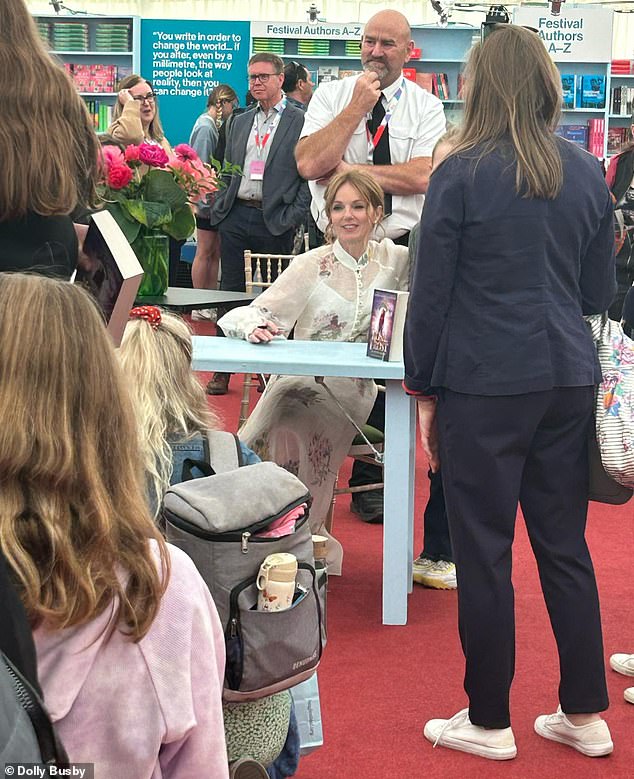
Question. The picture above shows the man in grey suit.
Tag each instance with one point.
(260, 209)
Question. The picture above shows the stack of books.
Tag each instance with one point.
(327, 73)
(583, 91)
(576, 133)
(316, 48)
(70, 36)
(93, 78)
(596, 137)
(436, 83)
(44, 29)
(622, 101)
(622, 67)
(617, 138)
(352, 48)
(112, 37)
(274, 45)
(101, 114)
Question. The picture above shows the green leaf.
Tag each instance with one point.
(160, 187)
(148, 213)
(129, 226)
(182, 224)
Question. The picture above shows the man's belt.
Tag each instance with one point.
(250, 203)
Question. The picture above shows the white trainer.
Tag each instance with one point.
(593, 739)
(623, 664)
(629, 694)
(438, 574)
(460, 734)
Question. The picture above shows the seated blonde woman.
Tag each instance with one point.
(117, 613)
(326, 295)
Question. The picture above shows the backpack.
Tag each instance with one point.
(26, 732)
(218, 521)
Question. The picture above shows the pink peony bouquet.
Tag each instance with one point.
(149, 191)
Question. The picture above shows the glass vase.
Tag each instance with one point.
(152, 252)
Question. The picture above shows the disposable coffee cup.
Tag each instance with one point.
(276, 582)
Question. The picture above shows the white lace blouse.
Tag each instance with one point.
(325, 293)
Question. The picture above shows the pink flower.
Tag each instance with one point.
(132, 153)
(119, 175)
(112, 155)
(185, 152)
(153, 155)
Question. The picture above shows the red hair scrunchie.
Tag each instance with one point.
(151, 314)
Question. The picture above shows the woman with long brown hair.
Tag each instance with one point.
(48, 149)
(518, 246)
(116, 612)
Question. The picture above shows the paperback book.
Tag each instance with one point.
(568, 90)
(387, 320)
(110, 270)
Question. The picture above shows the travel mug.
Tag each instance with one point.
(276, 582)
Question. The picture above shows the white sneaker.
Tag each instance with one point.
(460, 734)
(623, 664)
(438, 574)
(629, 694)
(592, 739)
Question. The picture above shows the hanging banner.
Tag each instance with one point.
(331, 30)
(576, 35)
(185, 60)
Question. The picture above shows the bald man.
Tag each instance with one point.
(343, 122)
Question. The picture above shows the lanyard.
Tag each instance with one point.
(373, 141)
(260, 143)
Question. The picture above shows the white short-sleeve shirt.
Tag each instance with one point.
(417, 122)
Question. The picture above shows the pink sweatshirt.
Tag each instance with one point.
(151, 710)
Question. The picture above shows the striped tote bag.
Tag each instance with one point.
(614, 408)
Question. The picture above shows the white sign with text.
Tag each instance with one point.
(330, 30)
(576, 35)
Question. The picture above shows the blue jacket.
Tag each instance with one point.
(502, 282)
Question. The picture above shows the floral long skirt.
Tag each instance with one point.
(298, 425)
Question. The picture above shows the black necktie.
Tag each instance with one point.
(381, 154)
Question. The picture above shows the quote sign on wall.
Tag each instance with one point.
(185, 60)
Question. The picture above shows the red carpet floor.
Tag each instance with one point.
(380, 684)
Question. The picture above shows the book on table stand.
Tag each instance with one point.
(387, 321)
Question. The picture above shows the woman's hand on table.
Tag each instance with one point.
(265, 333)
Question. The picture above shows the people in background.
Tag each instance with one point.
(261, 209)
(325, 295)
(298, 85)
(173, 417)
(406, 121)
(504, 364)
(115, 610)
(221, 102)
(620, 179)
(49, 152)
(135, 118)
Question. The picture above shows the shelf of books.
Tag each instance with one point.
(621, 105)
(97, 52)
(333, 51)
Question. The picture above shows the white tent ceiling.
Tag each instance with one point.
(417, 11)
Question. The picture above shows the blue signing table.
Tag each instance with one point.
(319, 358)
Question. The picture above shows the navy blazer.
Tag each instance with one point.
(501, 282)
(285, 194)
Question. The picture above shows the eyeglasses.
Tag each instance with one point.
(142, 98)
(261, 77)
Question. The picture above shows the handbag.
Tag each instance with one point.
(614, 406)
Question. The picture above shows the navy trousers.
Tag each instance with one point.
(529, 449)
(244, 228)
